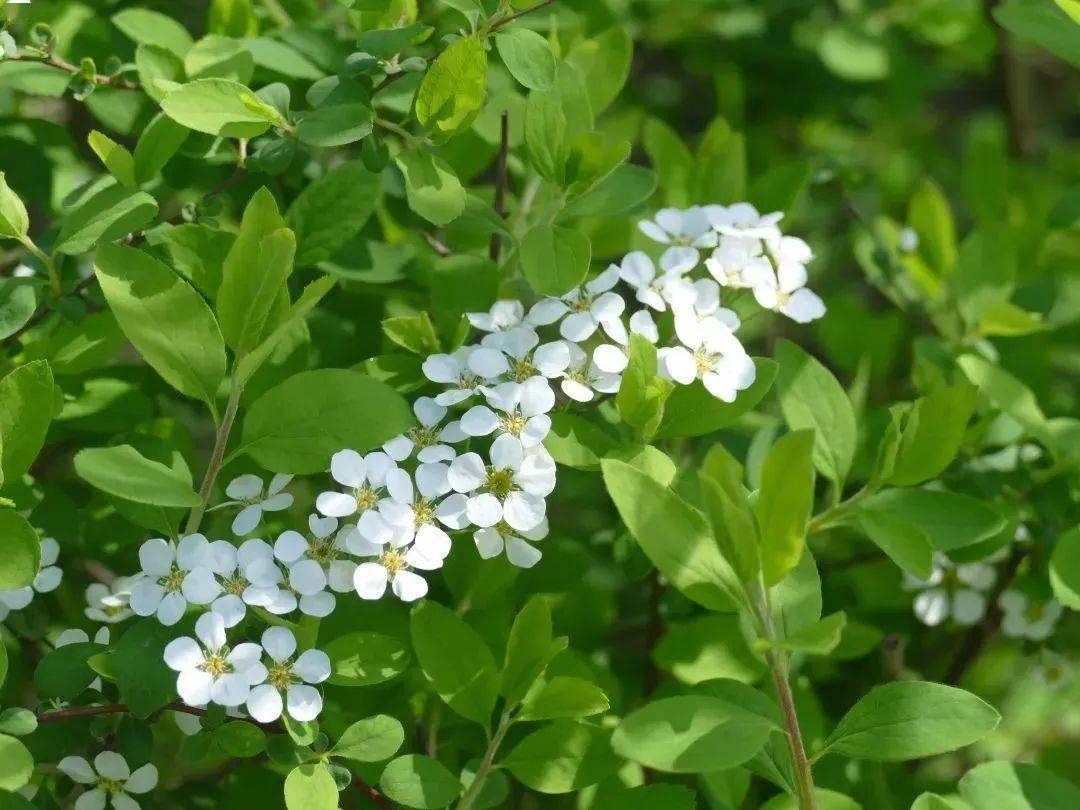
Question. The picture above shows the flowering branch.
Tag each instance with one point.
(54, 61)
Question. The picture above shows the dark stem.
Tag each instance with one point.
(216, 457)
(60, 64)
(501, 178)
(485, 764)
(978, 636)
(507, 20)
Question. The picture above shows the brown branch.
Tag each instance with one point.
(501, 179)
(507, 20)
(53, 61)
(978, 636)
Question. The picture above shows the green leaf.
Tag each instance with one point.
(311, 787)
(22, 551)
(414, 333)
(166, 320)
(564, 697)
(796, 600)
(949, 519)
(289, 430)
(108, 213)
(545, 134)
(826, 800)
(124, 472)
(905, 543)
(820, 638)
(364, 658)
(931, 218)
(1017, 786)
(280, 58)
(372, 739)
(576, 442)
(153, 28)
(217, 57)
(219, 107)
(692, 411)
(17, 722)
(555, 259)
(1044, 24)
(1065, 568)
(673, 162)
(117, 159)
(145, 682)
(690, 734)
(721, 164)
(623, 191)
(932, 434)
(343, 117)
(18, 303)
(456, 661)
(707, 648)
(911, 720)
(431, 187)
(674, 535)
(590, 157)
(238, 738)
(785, 502)
(734, 525)
(159, 141)
(18, 763)
(418, 781)
(603, 63)
(453, 89)
(810, 397)
(160, 70)
(1004, 390)
(527, 56)
(852, 54)
(781, 187)
(529, 649)
(642, 392)
(64, 672)
(26, 411)
(14, 221)
(329, 212)
(562, 757)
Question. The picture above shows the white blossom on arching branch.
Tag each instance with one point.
(365, 477)
(247, 491)
(1027, 618)
(109, 603)
(510, 489)
(287, 682)
(431, 440)
(655, 291)
(284, 579)
(518, 545)
(733, 258)
(518, 409)
(502, 315)
(47, 579)
(585, 309)
(585, 377)
(742, 219)
(783, 288)
(952, 591)
(208, 670)
(173, 576)
(109, 781)
(712, 354)
(453, 371)
(516, 355)
(673, 226)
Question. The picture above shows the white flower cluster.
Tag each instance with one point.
(476, 461)
(109, 780)
(953, 591)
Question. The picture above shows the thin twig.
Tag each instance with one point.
(212, 469)
(436, 244)
(501, 179)
(507, 20)
(60, 64)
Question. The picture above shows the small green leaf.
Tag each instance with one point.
(372, 739)
(564, 697)
(692, 411)
(18, 763)
(708, 648)
(363, 658)
(529, 649)
(417, 781)
(26, 411)
(562, 757)
(108, 212)
(159, 141)
(14, 221)
(932, 434)
(117, 159)
(725, 500)
(453, 89)
(145, 682)
(124, 472)
(331, 211)
(820, 638)
(153, 28)
(527, 56)
(311, 787)
(219, 107)
(949, 519)
(911, 720)
(785, 502)
(642, 392)
(1065, 568)
(555, 259)
(22, 551)
(1017, 786)
(905, 543)
(431, 186)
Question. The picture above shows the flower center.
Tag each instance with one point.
(782, 299)
(581, 304)
(423, 436)
(500, 483)
(216, 664)
(113, 609)
(468, 381)
(110, 785)
(173, 580)
(322, 550)
(704, 361)
(1034, 612)
(423, 513)
(235, 585)
(392, 561)
(365, 499)
(522, 370)
(280, 676)
(514, 423)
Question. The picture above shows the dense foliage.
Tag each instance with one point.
(483, 403)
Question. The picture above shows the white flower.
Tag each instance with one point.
(784, 290)
(454, 370)
(515, 354)
(248, 491)
(585, 375)
(952, 591)
(208, 670)
(672, 226)
(493, 540)
(408, 516)
(699, 318)
(47, 579)
(109, 603)
(365, 477)
(110, 780)
(743, 219)
(907, 240)
(429, 439)
(7, 45)
(638, 270)
(290, 678)
(731, 259)
(718, 360)
(502, 315)
(1025, 618)
(172, 576)
(586, 308)
(326, 546)
(510, 489)
(519, 409)
(284, 578)
(392, 566)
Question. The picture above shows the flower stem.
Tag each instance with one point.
(778, 668)
(207, 488)
(486, 763)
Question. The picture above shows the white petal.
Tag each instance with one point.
(451, 511)
(398, 448)
(142, 780)
(279, 643)
(263, 572)
(428, 411)
(50, 550)
(479, 420)
(607, 307)
(432, 542)
(968, 606)
(304, 702)
(77, 769)
(546, 312)
(535, 431)
(466, 472)
(551, 359)
(307, 577)
(488, 542)
(146, 595)
(290, 546)
(679, 259)
(321, 527)
(348, 468)
(210, 629)
(48, 579)
(932, 607)
(319, 604)
(156, 557)
(579, 392)
(264, 703)
(484, 509)
(536, 396)
(609, 358)
(91, 800)
(244, 487)
(193, 686)
(231, 609)
(336, 504)
(523, 511)
(247, 519)
(230, 689)
(200, 587)
(654, 231)
(408, 587)
(171, 609)
(441, 368)
(183, 653)
(278, 483)
(803, 306)
(578, 326)
(340, 576)
(112, 765)
(536, 474)
(520, 553)
(371, 531)
(431, 480)
(251, 550)
(193, 551)
(313, 666)
(488, 363)
(370, 580)
(679, 365)
(400, 486)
